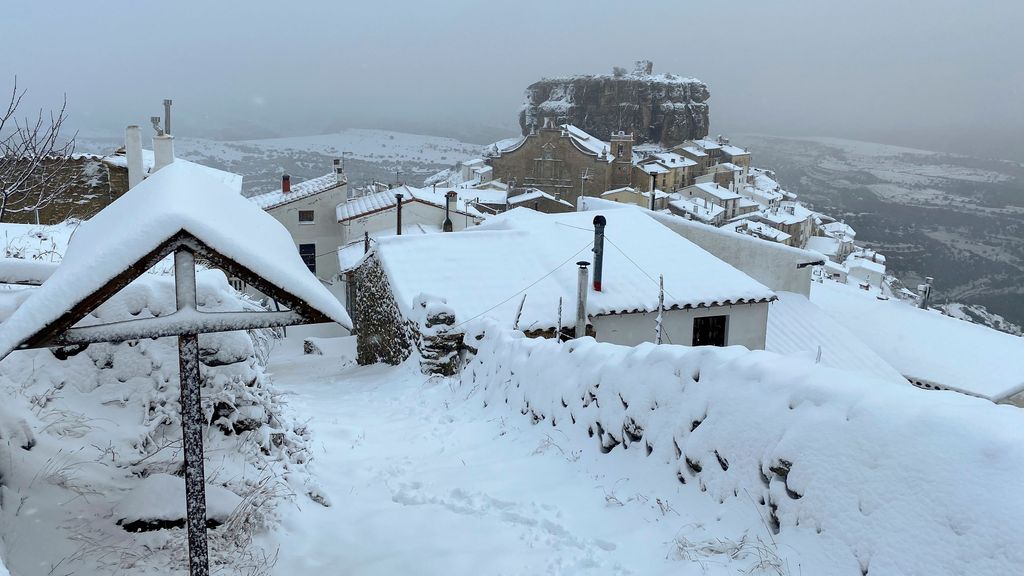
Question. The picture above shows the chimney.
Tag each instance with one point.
(398, 198)
(654, 186)
(599, 223)
(286, 183)
(926, 292)
(339, 171)
(163, 151)
(581, 300)
(133, 154)
(167, 117)
(448, 199)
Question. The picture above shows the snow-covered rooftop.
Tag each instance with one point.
(826, 245)
(588, 143)
(180, 197)
(698, 208)
(303, 189)
(758, 229)
(797, 326)
(717, 191)
(482, 271)
(840, 230)
(733, 150)
(385, 200)
(229, 179)
(927, 345)
(788, 213)
(535, 194)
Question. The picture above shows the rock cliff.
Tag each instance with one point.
(662, 108)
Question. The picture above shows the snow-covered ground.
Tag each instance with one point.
(423, 481)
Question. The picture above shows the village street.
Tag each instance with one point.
(422, 481)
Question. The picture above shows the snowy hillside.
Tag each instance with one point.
(369, 155)
(957, 218)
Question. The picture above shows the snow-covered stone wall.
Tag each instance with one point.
(890, 479)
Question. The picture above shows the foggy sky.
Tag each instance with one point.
(931, 73)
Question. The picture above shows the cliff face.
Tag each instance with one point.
(661, 108)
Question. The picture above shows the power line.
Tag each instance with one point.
(531, 285)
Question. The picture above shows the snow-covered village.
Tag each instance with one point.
(275, 302)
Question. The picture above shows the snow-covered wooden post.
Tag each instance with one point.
(185, 211)
(661, 310)
(191, 416)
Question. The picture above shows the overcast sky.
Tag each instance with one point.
(931, 73)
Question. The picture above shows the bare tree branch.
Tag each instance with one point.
(34, 159)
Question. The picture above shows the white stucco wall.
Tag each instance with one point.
(324, 231)
(747, 326)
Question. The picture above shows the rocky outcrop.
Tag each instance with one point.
(662, 108)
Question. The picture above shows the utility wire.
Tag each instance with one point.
(531, 285)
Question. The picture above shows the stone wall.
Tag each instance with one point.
(91, 190)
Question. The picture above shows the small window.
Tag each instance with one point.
(308, 254)
(305, 216)
(709, 330)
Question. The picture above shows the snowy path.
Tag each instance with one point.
(422, 482)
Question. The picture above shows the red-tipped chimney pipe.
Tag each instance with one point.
(286, 183)
(599, 223)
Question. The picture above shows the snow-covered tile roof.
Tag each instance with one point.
(927, 345)
(697, 208)
(788, 213)
(653, 168)
(797, 326)
(694, 151)
(840, 229)
(759, 229)
(535, 194)
(179, 197)
(717, 191)
(673, 160)
(303, 189)
(385, 200)
(481, 271)
(588, 143)
(708, 144)
(824, 244)
(734, 150)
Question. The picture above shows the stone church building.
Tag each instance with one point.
(566, 162)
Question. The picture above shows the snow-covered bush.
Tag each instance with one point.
(383, 334)
(107, 420)
(890, 479)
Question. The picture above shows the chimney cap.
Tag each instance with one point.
(583, 263)
(600, 220)
(398, 195)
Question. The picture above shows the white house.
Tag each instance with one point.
(486, 272)
(307, 210)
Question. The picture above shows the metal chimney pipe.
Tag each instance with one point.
(448, 197)
(398, 198)
(581, 300)
(599, 224)
(286, 183)
(167, 116)
(133, 154)
(654, 185)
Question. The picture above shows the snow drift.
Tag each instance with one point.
(891, 479)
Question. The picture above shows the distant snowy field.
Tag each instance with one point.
(368, 154)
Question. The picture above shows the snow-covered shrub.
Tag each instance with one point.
(891, 479)
(107, 419)
(382, 333)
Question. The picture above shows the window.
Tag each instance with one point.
(305, 216)
(709, 330)
(308, 254)
(621, 150)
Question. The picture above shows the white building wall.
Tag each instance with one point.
(747, 326)
(324, 231)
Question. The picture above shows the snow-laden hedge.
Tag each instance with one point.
(906, 481)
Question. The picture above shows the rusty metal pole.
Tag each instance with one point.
(191, 418)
